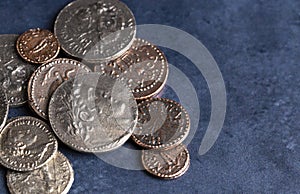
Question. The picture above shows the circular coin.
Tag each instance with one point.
(15, 72)
(144, 66)
(3, 108)
(55, 177)
(38, 46)
(47, 78)
(93, 113)
(162, 123)
(168, 164)
(95, 30)
(26, 143)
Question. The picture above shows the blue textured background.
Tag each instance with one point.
(256, 44)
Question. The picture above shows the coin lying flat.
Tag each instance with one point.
(26, 143)
(93, 113)
(15, 72)
(168, 164)
(144, 66)
(47, 78)
(162, 123)
(3, 108)
(95, 30)
(55, 177)
(38, 46)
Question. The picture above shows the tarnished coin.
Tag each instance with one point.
(95, 30)
(143, 66)
(93, 113)
(26, 144)
(38, 46)
(3, 108)
(55, 177)
(15, 72)
(162, 123)
(168, 164)
(47, 78)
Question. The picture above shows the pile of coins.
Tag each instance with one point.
(94, 100)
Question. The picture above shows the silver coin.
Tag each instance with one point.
(3, 108)
(26, 144)
(55, 177)
(93, 113)
(95, 30)
(15, 72)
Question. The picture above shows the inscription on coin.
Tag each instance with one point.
(3, 108)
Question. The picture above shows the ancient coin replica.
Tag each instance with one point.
(169, 164)
(3, 108)
(15, 72)
(38, 46)
(93, 113)
(95, 30)
(162, 123)
(47, 78)
(55, 177)
(143, 66)
(26, 143)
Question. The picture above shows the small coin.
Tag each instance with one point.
(47, 78)
(55, 177)
(38, 46)
(93, 113)
(162, 123)
(95, 30)
(26, 144)
(144, 66)
(168, 164)
(3, 108)
(15, 72)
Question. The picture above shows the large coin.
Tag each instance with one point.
(15, 72)
(3, 108)
(93, 113)
(55, 177)
(162, 123)
(96, 29)
(143, 66)
(47, 78)
(26, 143)
(168, 164)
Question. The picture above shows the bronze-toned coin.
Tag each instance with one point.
(143, 66)
(38, 46)
(168, 164)
(47, 78)
(55, 177)
(26, 144)
(3, 108)
(162, 123)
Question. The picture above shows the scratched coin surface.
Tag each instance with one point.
(26, 144)
(162, 123)
(166, 163)
(95, 30)
(55, 177)
(15, 72)
(93, 113)
(38, 46)
(47, 78)
(143, 66)
(3, 108)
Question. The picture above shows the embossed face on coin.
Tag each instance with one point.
(26, 143)
(3, 108)
(55, 177)
(38, 46)
(15, 72)
(93, 113)
(47, 78)
(143, 66)
(168, 164)
(95, 30)
(162, 123)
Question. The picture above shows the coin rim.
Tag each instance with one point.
(4, 96)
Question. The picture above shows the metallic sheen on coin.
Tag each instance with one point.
(162, 123)
(26, 144)
(3, 108)
(15, 72)
(55, 177)
(38, 46)
(95, 30)
(47, 78)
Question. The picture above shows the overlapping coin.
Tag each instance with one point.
(3, 108)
